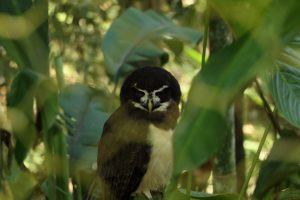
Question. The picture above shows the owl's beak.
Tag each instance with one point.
(150, 105)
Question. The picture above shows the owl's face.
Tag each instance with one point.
(151, 101)
(150, 89)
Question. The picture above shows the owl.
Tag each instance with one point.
(135, 149)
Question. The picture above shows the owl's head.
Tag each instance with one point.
(150, 89)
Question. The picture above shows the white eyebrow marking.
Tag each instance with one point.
(144, 98)
(155, 98)
(160, 89)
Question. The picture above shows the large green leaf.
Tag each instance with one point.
(285, 90)
(14, 7)
(85, 112)
(133, 37)
(31, 48)
(23, 180)
(20, 110)
(282, 162)
(201, 131)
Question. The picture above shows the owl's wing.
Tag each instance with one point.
(123, 173)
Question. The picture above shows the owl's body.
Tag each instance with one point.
(135, 149)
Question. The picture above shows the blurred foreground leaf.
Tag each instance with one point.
(226, 74)
(20, 110)
(133, 37)
(20, 184)
(26, 22)
(85, 112)
(289, 194)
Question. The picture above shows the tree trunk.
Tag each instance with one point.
(239, 141)
(224, 172)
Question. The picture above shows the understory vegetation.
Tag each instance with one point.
(238, 65)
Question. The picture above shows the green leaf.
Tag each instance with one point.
(57, 182)
(282, 162)
(20, 110)
(15, 7)
(180, 194)
(134, 36)
(200, 129)
(289, 194)
(291, 54)
(22, 179)
(26, 183)
(32, 50)
(225, 75)
(47, 103)
(85, 112)
(285, 89)
(212, 91)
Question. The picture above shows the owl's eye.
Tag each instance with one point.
(138, 94)
(164, 95)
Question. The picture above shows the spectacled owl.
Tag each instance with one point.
(135, 149)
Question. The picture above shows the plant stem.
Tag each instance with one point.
(224, 171)
(59, 71)
(267, 107)
(254, 162)
(189, 185)
(205, 39)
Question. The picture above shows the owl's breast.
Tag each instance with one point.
(160, 165)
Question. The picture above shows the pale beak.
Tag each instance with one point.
(150, 105)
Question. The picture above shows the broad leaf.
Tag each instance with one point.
(85, 112)
(47, 103)
(30, 48)
(20, 110)
(225, 75)
(180, 194)
(134, 37)
(15, 7)
(289, 194)
(282, 162)
(25, 181)
(285, 90)
(205, 138)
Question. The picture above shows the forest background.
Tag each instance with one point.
(238, 64)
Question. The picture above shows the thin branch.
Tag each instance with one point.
(267, 107)
(205, 39)
(254, 162)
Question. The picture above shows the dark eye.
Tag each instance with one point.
(164, 95)
(137, 94)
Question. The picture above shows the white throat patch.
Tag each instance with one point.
(160, 164)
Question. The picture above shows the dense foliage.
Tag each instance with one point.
(60, 75)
